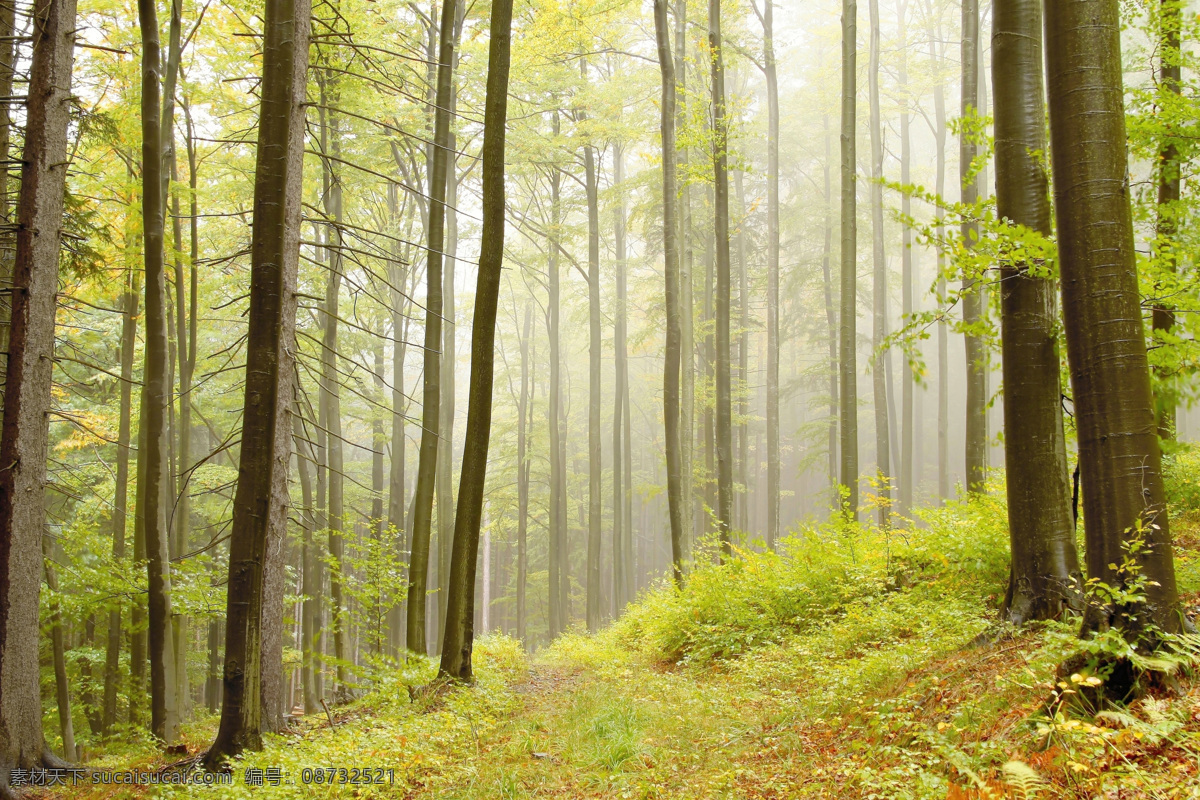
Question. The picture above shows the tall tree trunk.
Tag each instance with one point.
(559, 579)
(724, 406)
(831, 321)
(1162, 318)
(620, 596)
(742, 462)
(8, 55)
(28, 383)
(139, 639)
(112, 655)
(1044, 580)
(972, 301)
(308, 560)
(687, 306)
(260, 502)
(773, 276)
(943, 346)
(330, 397)
(848, 361)
(524, 408)
(422, 513)
(676, 498)
(1106, 347)
(456, 649)
(164, 716)
(594, 345)
(396, 478)
(879, 380)
(907, 478)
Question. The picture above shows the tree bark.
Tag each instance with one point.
(422, 513)
(848, 360)
(879, 382)
(724, 400)
(676, 499)
(594, 346)
(1170, 165)
(1044, 581)
(164, 715)
(456, 649)
(261, 499)
(972, 301)
(1106, 348)
(28, 382)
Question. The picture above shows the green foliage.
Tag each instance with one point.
(1181, 478)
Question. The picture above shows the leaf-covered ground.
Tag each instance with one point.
(889, 691)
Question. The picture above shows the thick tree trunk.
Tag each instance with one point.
(594, 345)
(879, 382)
(676, 498)
(28, 382)
(1044, 581)
(848, 360)
(164, 715)
(112, 655)
(260, 502)
(1106, 347)
(422, 513)
(724, 399)
(1162, 318)
(972, 299)
(456, 649)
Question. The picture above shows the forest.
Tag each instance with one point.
(329, 327)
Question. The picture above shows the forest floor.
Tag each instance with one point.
(895, 696)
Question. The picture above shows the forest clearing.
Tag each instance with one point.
(599, 398)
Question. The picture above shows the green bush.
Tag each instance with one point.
(1181, 474)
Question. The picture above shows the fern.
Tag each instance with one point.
(1023, 778)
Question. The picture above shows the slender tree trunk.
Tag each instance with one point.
(558, 576)
(773, 489)
(848, 362)
(620, 594)
(687, 306)
(1170, 165)
(28, 384)
(396, 478)
(1044, 580)
(676, 497)
(164, 715)
(831, 321)
(112, 656)
(524, 408)
(724, 406)
(879, 291)
(907, 477)
(1106, 346)
(308, 559)
(139, 643)
(943, 346)
(261, 500)
(62, 689)
(972, 302)
(594, 345)
(456, 649)
(422, 513)
(330, 397)
(742, 462)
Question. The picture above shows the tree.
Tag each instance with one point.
(1043, 581)
(27, 386)
(261, 499)
(594, 347)
(153, 481)
(672, 359)
(847, 360)
(724, 398)
(976, 440)
(907, 478)
(883, 468)
(1119, 456)
(460, 604)
(422, 513)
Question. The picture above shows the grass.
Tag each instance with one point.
(848, 667)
